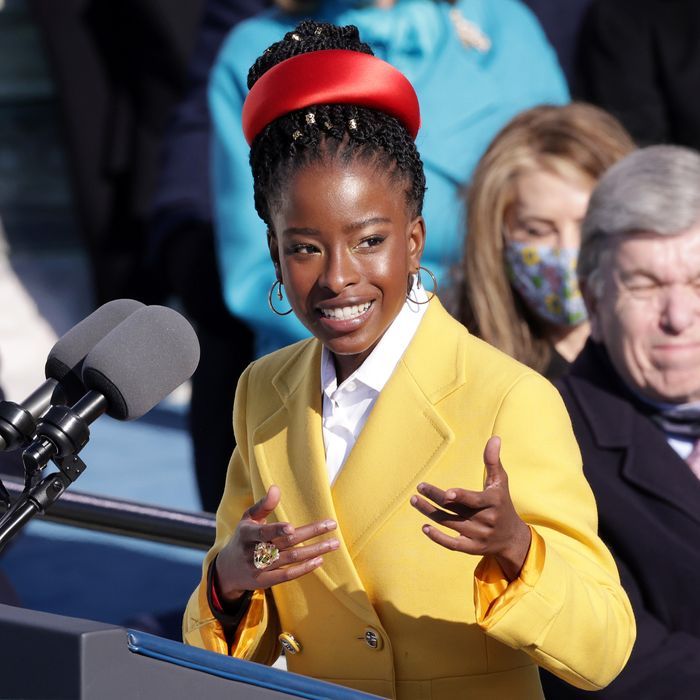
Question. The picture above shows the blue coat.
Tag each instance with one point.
(466, 96)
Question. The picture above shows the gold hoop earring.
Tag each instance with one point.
(279, 296)
(420, 284)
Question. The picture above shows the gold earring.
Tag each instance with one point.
(420, 284)
(279, 296)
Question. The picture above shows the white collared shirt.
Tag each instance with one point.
(682, 445)
(347, 407)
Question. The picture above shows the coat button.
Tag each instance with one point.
(373, 639)
(289, 643)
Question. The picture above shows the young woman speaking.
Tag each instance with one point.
(405, 511)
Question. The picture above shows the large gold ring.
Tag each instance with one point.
(264, 554)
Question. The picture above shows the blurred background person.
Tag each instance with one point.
(634, 399)
(562, 22)
(118, 69)
(517, 285)
(46, 287)
(639, 59)
(131, 80)
(182, 250)
(473, 64)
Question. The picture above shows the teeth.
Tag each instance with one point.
(346, 312)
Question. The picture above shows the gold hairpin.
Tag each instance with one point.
(310, 118)
(296, 37)
(327, 125)
(296, 135)
(352, 124)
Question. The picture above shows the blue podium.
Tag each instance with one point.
(53, 657)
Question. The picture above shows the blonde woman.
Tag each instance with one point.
(529, 193)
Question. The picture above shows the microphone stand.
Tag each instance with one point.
(17, 422)
(39, 497)
(60, 435)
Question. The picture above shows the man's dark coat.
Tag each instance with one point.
(649, 514)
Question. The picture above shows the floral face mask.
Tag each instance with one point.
(546, 280)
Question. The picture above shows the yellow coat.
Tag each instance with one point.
(447, 396)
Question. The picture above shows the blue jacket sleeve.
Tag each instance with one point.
(531, 69)
(246, 268)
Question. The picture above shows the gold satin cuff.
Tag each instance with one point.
(247, 632)
(208, 634)
(494, 594)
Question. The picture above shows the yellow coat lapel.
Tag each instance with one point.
(403, 437)
(289, 444)
(289, 452)
(380, 473)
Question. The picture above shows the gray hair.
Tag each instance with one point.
(652, 190)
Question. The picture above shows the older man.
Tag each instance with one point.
(634, 399)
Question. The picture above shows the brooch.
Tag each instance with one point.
(469, 34)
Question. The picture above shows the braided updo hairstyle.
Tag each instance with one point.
(344, 132)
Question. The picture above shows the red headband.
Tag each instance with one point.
(333, 76)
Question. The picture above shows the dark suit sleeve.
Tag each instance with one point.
(617, 67)
(561, 22)
(663, 664)
(182, 194)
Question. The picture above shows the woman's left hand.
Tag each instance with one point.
(486, 521)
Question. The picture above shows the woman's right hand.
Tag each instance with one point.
(235, 571)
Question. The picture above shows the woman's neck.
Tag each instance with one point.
(568, 341)
(346, 366)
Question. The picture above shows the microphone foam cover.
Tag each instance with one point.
(65, 360)
(142, 360)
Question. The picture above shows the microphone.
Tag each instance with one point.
(63, 372)
(129, 371)
(135, 365)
